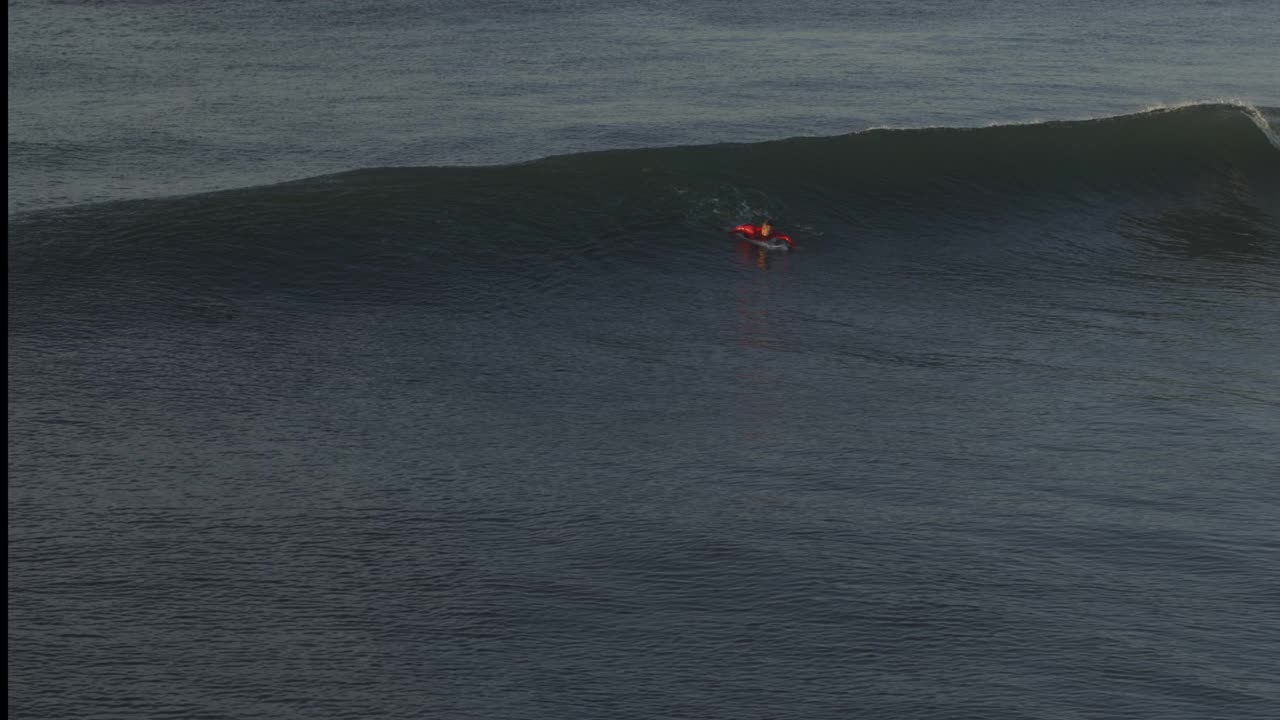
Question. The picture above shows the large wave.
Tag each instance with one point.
(1203, 176)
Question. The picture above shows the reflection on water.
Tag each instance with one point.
(756, 255)
(757, 378)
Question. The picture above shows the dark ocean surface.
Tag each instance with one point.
(392, 360)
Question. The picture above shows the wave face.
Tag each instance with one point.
(1198, 179)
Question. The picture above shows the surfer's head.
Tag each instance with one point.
(766, 228)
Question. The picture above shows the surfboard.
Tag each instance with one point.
(770, 244)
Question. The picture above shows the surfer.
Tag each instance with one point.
(763, 233)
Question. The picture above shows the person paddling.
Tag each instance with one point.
(763, 232)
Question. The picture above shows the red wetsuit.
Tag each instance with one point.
(753, 232)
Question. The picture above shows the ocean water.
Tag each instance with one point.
(393, 360)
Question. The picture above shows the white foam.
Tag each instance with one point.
(1258, 119)
(1248, 108)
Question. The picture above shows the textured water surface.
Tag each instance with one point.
(543, 441)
